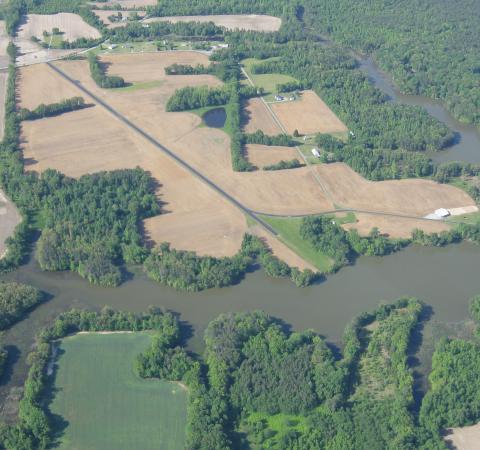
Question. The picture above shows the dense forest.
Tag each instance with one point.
(261, 386)
(15, 300)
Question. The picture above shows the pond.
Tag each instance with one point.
(215, 118)
(467, 137)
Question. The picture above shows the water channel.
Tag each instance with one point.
(444, 278)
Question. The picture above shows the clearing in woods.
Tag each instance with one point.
(118, 410)
(247, 22)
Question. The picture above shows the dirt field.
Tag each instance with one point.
(263, 155)
(249, 22)
(395, 227)
(105, 14)
(9, 219)
(308, 115)
(72, 25)
(39, 84)
(4, 39)
(257, 117)
(125, 4)
(414, 197)
(4, 60)
(464, 438)
(196, 218)
(280, 250)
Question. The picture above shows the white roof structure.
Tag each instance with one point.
(315, 152)
(442, 212)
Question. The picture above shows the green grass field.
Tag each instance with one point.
(106, 405)
(267, 81)
(289, 230)
(138, 86)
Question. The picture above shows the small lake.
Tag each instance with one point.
(467, 143)
(215, 118)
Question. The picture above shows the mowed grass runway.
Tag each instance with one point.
(106, 405)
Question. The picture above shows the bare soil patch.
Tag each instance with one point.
(39, 84)
(309, 114)
(104, 15)
(9, 219)
(125, 4)
(258, 117)
(249, 22)
(264, 155)
(464, 438)
(410, 197)
(395, 227)
(71, 25)
(280, 250)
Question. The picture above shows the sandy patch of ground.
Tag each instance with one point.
(104, 15)
(258, 117)
(264, 155)
(125, 4)
(463, 210)
(9, 219)
(71, 25)
(464, 438)
(410, 197)
(309, 114)
(90, 140)
(395, 227)
(280, 250)
(249, 22)
(39, 84)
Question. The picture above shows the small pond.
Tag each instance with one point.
(215, 118)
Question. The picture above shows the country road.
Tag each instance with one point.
(254, 215)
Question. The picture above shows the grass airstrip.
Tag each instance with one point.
(105, 405)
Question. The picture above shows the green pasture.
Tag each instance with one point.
(104, 404)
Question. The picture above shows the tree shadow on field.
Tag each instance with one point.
(58, 423)
(245, 115)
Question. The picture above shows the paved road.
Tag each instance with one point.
(165, 150)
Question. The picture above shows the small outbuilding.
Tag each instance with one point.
(442, 212)
(315, 152)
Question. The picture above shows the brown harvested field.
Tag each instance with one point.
(39, 84)
(4, 60)
(125, 4)
(90, 140)
(280, 250)
(309, 114)
(9, 219)
(410, 197)
(104, 15)
(258, 117)
(4, 39)
(249, 22)
(463, 438)
(71, 25)
(264, 155)
(395, 227)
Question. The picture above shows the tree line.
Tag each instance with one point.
(52, 109)
(98, 74)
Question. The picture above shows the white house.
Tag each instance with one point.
(279, 98)
(442, 212)
(315, 152)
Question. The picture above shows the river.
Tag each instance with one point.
(445, 278)
(467, 143)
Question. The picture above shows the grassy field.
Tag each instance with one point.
(472, 218)
(266, 81)
(137, 86)
(289, 230)
(106, 405)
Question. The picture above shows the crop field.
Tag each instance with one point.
(263, 155)
(247, 22)
(9, 219)
(256, 116)
(410, 197)
(71, 25)
(309, 114)
(119, 410)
